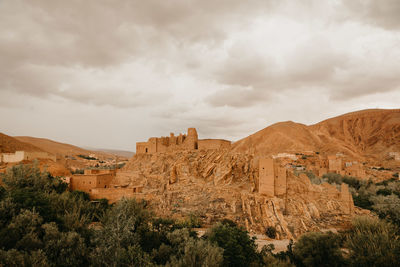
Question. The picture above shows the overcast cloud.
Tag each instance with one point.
(109, 73)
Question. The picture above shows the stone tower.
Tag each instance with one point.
(266, 179)
(191, 141)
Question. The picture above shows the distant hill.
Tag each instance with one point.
(10, 144)
(53, 147)
(62, 149)
(372, 132)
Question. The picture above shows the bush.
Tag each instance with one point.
(318, 249)
(333, 178)
(384, 192)
(372, 242)
(362, 200)
(239, 248)
(271, 232)
(352, 182)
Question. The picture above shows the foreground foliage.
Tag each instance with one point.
(44, 224)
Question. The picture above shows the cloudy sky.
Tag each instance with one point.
(109, 73)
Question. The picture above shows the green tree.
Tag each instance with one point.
(118, 241)
(194, 252)
(239, 248)
(318, 249)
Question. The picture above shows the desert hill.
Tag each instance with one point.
(10, 144)
(61, 149)
(51, 146)
(363, 133)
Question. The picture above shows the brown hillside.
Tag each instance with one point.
(368, 132)
(362, 133)
(53, 147)
(9, 144)
(279, 137)
(58, 148)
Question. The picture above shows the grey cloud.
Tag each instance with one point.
(385, 14)
(238, 97)
(254, 79)
(37, 36)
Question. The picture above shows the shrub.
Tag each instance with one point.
(318, 249)
(333, 178)
(239, 248)
(271, 232)
(384, 192)
(352, 182)
(372, 242)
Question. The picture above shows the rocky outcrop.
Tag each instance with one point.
(217, 184)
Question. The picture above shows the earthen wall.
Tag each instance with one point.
(24, 155)
(266, 179)
(171, 143)
(280, 180)
(205, 144)
(86, 182)
(335, 164)
(346, 199)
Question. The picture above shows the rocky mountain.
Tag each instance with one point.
(367, 133)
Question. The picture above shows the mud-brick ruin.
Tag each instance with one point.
(181, 142)
(180, 175)
(274, 180)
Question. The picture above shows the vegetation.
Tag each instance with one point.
(87, 157)
(270, 232)
(44, 224)
(382, 198)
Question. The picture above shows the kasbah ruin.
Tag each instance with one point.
(183, 175)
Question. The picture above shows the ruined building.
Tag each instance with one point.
(98, 183)
(272, 178)
(274, 181)
(19, 156)
(181, 142)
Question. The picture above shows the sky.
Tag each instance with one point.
(110, 73)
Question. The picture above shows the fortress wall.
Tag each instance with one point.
(335, 165)
(205, 144)
(280, 180)
(83, 182)
(99, 171)
(14, 157)
(142, 147)
(152, 143)
(347, 199)
(171, 143)
(24, 155)
(86, 182)
(38, 155)
(266, 179)
(191, 141)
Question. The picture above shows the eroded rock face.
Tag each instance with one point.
(217, 184)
